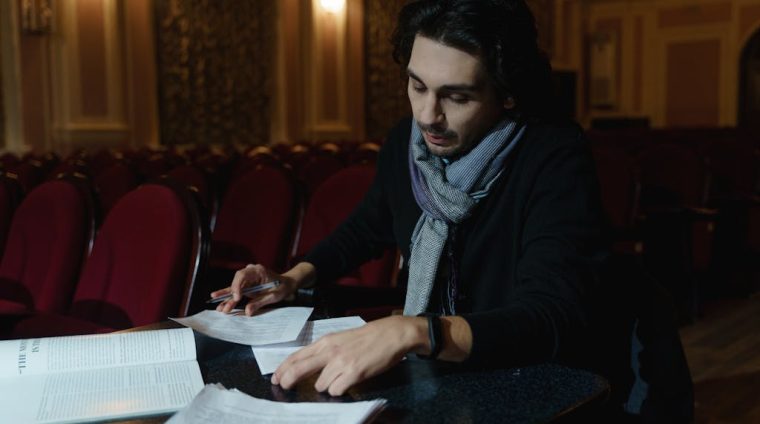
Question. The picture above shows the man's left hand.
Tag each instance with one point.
(349, 357)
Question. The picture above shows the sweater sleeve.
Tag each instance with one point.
(363, 236)
(558, 249)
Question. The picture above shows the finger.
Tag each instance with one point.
(341, 384)
(327, 377)
(299, 370)
(262, 301)
(295, 357)
(238, 281)
(220, 292)
(228, 305)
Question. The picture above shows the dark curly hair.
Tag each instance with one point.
(501, 32)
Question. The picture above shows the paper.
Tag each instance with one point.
(72, 353)
(216, 404)
(97, 377)
(275, 326)
(271, 356)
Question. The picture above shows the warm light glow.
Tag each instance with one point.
(332, 6)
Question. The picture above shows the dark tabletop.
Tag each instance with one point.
(423, 391)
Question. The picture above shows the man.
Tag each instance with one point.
(493, 203)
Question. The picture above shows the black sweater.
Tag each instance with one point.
(527, 255)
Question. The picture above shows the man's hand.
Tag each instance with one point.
(349, 357)
(253, 275)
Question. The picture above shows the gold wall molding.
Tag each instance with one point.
(651, 32)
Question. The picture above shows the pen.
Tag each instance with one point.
(246, 291)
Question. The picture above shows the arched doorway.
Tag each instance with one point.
(749, 85)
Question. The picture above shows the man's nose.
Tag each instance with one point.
(431, 112)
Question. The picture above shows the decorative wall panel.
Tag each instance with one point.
(215, 62)
(387, 101)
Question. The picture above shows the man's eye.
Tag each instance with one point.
(459, 99)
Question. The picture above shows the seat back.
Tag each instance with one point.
(318, 168)
(672, 175)
(256, 219)
(114, 182)
(331, 204)
(618, 184)
(10, 197)
(196, 180)
(146, 259)
(50, 236)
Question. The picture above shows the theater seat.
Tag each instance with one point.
(114, 182)
(143, 266)
(10, 197)
(50, 236)
(370, 286)
(256, 219)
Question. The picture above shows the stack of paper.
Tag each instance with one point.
(216, 404)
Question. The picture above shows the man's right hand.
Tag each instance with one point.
(252, 275)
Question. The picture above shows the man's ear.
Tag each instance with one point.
(509, 102)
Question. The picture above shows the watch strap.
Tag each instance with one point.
(435, 334)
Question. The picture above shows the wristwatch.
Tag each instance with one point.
(435, 333)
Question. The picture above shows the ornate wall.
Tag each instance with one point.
(387, 101)
(214, 68)
(2, 109)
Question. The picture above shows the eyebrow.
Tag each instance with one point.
(445, 87)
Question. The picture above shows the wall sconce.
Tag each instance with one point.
(36, 17)
(332, 6)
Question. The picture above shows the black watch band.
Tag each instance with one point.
(435, 333)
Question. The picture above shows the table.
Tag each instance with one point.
(422, 391)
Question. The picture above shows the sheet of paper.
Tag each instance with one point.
(215, 404)
(275, 326)
(271, 356)
(100, 394)
(71, 353)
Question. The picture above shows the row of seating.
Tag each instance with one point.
(62, 273)
(264, 218)
(688, 207)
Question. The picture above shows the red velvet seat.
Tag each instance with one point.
(330, 205)
(256, 220)
(114, 182)
(50, 236)
(368, 291)
(318, 168)
(618, 181)
(10, 197)
(143, 266)
(29, 174)
(678, 229)
(195, 179)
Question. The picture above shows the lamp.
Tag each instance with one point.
(332, 6)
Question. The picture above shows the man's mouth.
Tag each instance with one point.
(437, 139)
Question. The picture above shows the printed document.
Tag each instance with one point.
(97, 377)
(215, 404)
(271, 356)
(273, 326)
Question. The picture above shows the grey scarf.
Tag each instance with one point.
(447, 194)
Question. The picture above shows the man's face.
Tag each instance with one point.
(453, 99)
